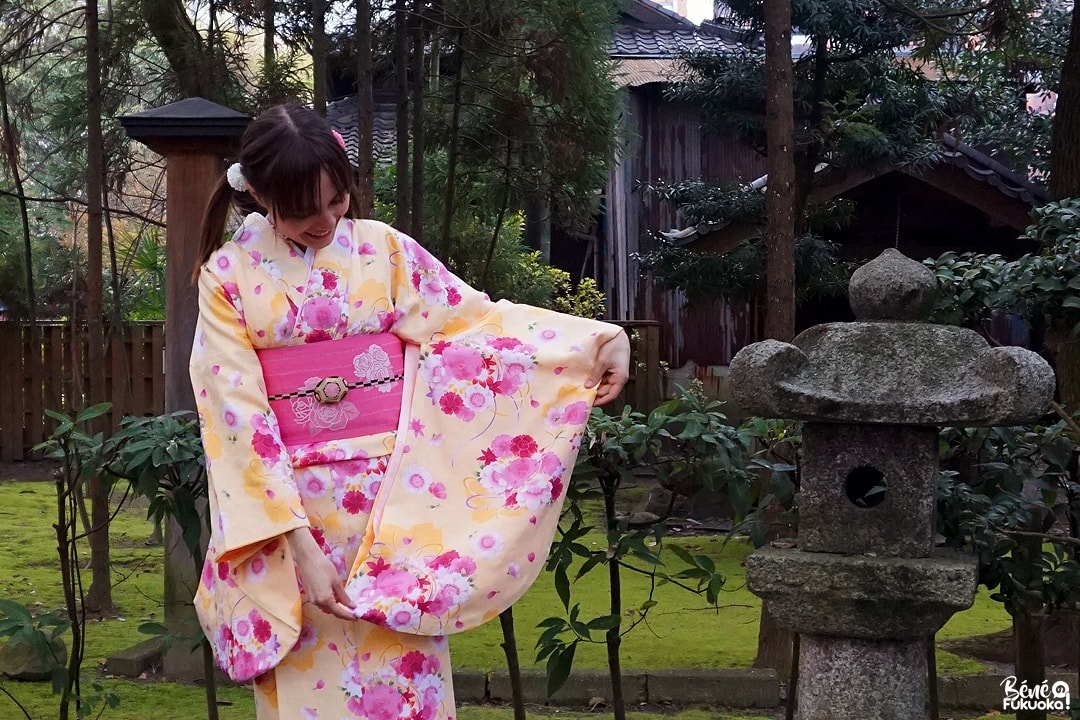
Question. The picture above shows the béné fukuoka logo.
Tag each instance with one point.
(1019, 695)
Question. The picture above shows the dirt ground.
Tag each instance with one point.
(27, 471)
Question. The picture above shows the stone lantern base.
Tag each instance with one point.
(864, 623)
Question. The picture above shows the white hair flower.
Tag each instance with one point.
(235, 176)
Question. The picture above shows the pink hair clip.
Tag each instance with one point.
(340, 140)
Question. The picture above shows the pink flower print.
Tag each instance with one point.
(417, 428)
(403, 616)
(453, 297)
(381, 702)
(256, 568)
(317, 336)
(487, 545)
(451, 403)
(536, 493)
(366, 249)
(224, 264)
(549, 335)
(321, 313)
(523, 445)
(438, 490)
(576, 413)
(230, 416)
(410, 664)
(513, 570)
(478, 399)
(463, 362)
(329, 280)
(313, 487)
(264, 443)
(356, 502)
(550, 464)
(504, 343)
(397, 583)
(416, 479)
(501, 445)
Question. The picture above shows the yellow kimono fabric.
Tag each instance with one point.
(435, 527)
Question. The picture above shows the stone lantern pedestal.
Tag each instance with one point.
(866, 589)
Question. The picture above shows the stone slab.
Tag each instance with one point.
(581, 688)
(470, 686)
(132, 662)
(742, 688)
(862, 596)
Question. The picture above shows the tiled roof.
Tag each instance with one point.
(342, 116)
(653, 42)
(988, 170)
(634, 72)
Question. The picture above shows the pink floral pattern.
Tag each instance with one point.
(248, 645)
(467, 375)
(410, 687)
(520, 472)
(429, 277)
(398, 595)
(458, 531)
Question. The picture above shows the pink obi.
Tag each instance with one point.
(336, 389)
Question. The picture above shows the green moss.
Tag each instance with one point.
(680, 631)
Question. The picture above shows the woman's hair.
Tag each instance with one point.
(282, 154)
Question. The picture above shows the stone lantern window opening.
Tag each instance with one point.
(865, 486)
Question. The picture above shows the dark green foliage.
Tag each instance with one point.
(162, 458)
(1008, 486)
(738, 274)
(1038, 286)
(537, 108)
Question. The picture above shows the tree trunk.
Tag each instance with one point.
(774, 645)
(1067, 369)
(365, 111)
(189, 59)
(320, 47)
(452, 152)
(513, 666)
(417, 201)
(614, 635)
(1030, 667)
(99, 595)
(269, 32)
(1065, 140)
(401, 75)
(1027, 636)
(779, 194)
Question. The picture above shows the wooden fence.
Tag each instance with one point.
(133, 373)
(135, 377)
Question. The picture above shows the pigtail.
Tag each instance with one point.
(216, 214)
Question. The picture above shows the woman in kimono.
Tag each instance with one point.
(387, 448)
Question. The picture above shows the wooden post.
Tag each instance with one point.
(195, 136)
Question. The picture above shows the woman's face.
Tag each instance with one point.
(317, 231)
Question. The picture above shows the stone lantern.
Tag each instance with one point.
(866, 589)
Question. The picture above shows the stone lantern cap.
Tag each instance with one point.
(890, 366)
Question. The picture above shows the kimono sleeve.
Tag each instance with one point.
(253, 496)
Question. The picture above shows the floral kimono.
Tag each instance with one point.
(437, 520)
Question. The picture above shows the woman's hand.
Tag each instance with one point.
(322, 585)
(612, 369)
